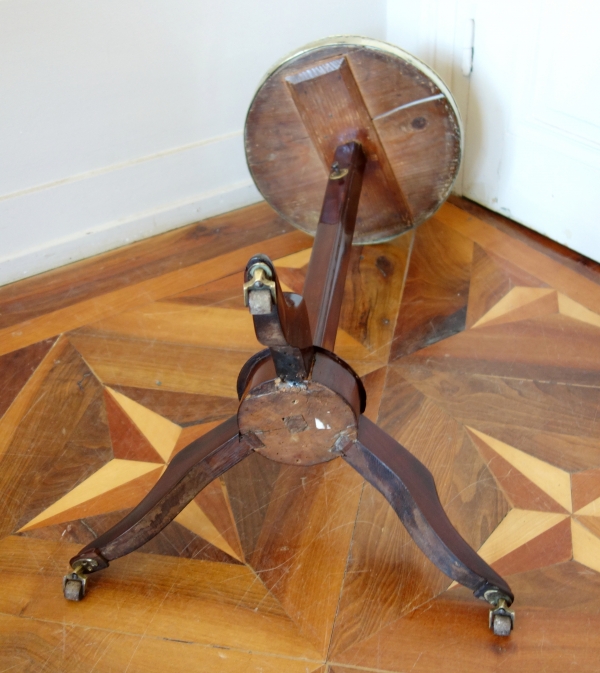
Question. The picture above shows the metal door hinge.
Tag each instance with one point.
(468, 47)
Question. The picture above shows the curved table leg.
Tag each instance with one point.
(187, 474)
(410, 489)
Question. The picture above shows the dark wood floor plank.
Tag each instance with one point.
(434, 301)
(449, 632)
(504, 416)
(491, 279)
(372, 293)
(136, 263)
(545, 406)
(558, 607)
(161, 365)
(186, 600)
(89, 310)
(574, 260)
(182, 408)
(385, 562)
(550, 348)
(17, 367)
(303, 547)
(10, 422)
(565, 279)
(64, 440)
(35, 645)
(463, 481)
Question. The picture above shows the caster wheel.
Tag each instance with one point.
(73, 590)
(502, 625)
(74, 584)
(502, 620)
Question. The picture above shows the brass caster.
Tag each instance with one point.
(73, 587)
(260, 292)
(74, 584)
(502, 620)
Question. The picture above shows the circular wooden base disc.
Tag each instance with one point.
(298, 424)
(350, 88)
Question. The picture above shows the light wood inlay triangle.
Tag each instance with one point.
(214, 502)
(552, 480)
(586, 546)
(551, 547)
(521, 303)
(521, 491)
(491, 279)
(128, 442)
(591, 509)
(586, 488)
(191, 433)
(571, 308)
(518, 527)
(116, 485)
(592, 523)
(194, 519)
(160, 432)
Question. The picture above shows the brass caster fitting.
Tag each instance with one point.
(502, 620)
(260, 292)
(75, 583)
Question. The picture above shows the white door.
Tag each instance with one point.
(533, 120)
(531, 105)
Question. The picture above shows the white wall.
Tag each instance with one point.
(121, 119)
(534, 117)
(438, 32)
(530, 107)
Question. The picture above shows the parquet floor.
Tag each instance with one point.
(480, 351)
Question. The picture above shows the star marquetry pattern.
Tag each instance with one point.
(143, 443)
(479, 353)
(543, 528)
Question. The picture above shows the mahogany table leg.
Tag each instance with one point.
(187, 474)
(326, 275)
(300, 333)
(290, 325)
(410, 489)
(280, 320)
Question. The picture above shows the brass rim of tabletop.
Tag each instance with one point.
(415, 132)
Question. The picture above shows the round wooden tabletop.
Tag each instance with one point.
(351, 88)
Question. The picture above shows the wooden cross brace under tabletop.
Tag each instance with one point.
(300, 404)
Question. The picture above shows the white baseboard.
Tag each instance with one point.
(50, 226)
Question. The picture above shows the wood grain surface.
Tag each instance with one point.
(479, 353)
(336, 93)
(333, 112)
